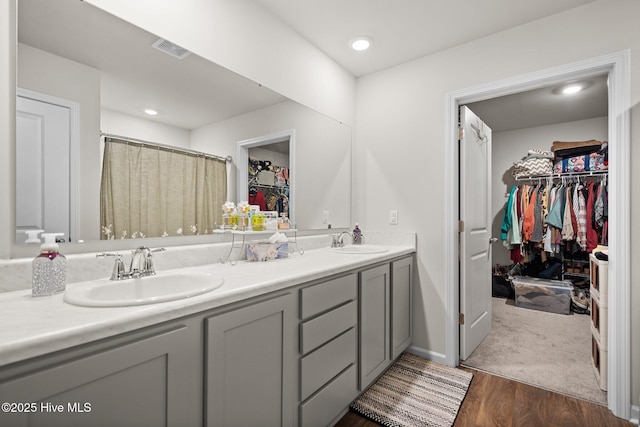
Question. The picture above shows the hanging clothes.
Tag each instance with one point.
(580, 210)
(529, 214)
(257, 198)
(553, 216)
(592, 235)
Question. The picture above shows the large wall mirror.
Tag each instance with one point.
(109, 71)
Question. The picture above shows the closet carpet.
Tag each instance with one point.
(547, 350)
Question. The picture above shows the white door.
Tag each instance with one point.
(475, 234)
(42, 167)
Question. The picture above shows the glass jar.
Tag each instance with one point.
(227, 221)
(243, 222)
(257, 222)
(283, 222)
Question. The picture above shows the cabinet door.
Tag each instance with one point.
(374, 323)
(143, 382)
(249, 365)
(401, 297)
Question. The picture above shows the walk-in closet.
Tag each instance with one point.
(268, 178)
(549, 297)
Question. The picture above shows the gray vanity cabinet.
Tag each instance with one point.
(147, 378)
(296, 357)
(385, 300)
(401, 305)
(250, 370)
(374, 323)
(328, 350)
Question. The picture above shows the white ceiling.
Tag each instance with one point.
(404, 30)
(544, 106)
(135, 76)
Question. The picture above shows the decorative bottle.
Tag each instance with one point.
(49, 268)
(357, 235)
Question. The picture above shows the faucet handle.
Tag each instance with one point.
(147, 269)
(119, 272)
(148, 261)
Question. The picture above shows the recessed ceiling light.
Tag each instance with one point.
(361, 43)
(150, 112)
(572, 88)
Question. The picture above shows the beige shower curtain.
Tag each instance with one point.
(154, 191)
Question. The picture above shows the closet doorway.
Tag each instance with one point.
(266, 165)
(527, 342)
(615, 67)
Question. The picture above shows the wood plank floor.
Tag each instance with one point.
(499, 402)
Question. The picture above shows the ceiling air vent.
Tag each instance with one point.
(171, 49)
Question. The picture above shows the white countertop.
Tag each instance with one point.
(33, 326)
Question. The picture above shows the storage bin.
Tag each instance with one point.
(588, 162)
(599, 271)
(599, 319)
(599, 358)
(552, 296)
(265, 251)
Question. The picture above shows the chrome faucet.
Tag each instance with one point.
(336, 239)
(141, 263)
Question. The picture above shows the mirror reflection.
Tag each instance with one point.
(105, 72)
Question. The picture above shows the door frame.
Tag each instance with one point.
(617, 67)
(242, 155)
(74, 125)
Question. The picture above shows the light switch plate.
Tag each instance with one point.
(393, 217)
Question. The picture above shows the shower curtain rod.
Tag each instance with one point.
(127, 139)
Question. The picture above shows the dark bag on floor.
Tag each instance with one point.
(501, 288)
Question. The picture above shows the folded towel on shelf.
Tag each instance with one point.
(532, 166)
(542, 154)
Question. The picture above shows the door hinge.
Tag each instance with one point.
(460, 226)
(460, 134)
(461, 318)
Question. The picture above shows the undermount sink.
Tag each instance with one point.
(144, 290)
(359, 249)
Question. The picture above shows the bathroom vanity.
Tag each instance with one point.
(282, 343)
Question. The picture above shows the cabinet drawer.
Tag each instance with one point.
(321, 297)
(317, 368)
(315, 332)
(325, 406)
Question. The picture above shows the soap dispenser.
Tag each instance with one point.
(49, 268)
(357, 235)
(32, 236)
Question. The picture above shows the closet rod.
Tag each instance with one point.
(143, 143)
(562, 175)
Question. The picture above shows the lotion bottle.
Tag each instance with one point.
(49, 268)
(357, 235)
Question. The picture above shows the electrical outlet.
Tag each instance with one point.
(325, 217)
(393, 217)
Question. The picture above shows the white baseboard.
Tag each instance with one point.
(427, 354)
(635, 414)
